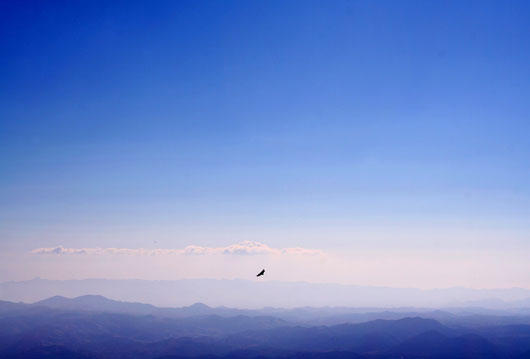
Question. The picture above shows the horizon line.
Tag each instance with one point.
(267, 281)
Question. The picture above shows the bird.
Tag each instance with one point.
(261, 273)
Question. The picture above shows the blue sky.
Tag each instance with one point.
(388, 125)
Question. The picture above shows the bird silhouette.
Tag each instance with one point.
(261, 273)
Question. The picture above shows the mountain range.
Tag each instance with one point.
(257, 294)
(93, 326)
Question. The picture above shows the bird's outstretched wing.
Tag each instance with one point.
(261, 273)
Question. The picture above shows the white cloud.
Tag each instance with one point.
(244, 248)
(249, 248)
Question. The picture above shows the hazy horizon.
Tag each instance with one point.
(253, 294)
(243, 261)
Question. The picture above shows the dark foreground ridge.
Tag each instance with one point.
(94, 327)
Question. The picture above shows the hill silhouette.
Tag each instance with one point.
(93, 326)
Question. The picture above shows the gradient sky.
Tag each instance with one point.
(383, 133)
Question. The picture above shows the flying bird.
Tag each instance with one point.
(261, 273)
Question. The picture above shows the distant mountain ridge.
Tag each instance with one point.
(475, 317)
(96, 303)
(255, 294)
(100, 303)
(305, 316)
(90, 327)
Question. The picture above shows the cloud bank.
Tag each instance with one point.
(244, 248)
